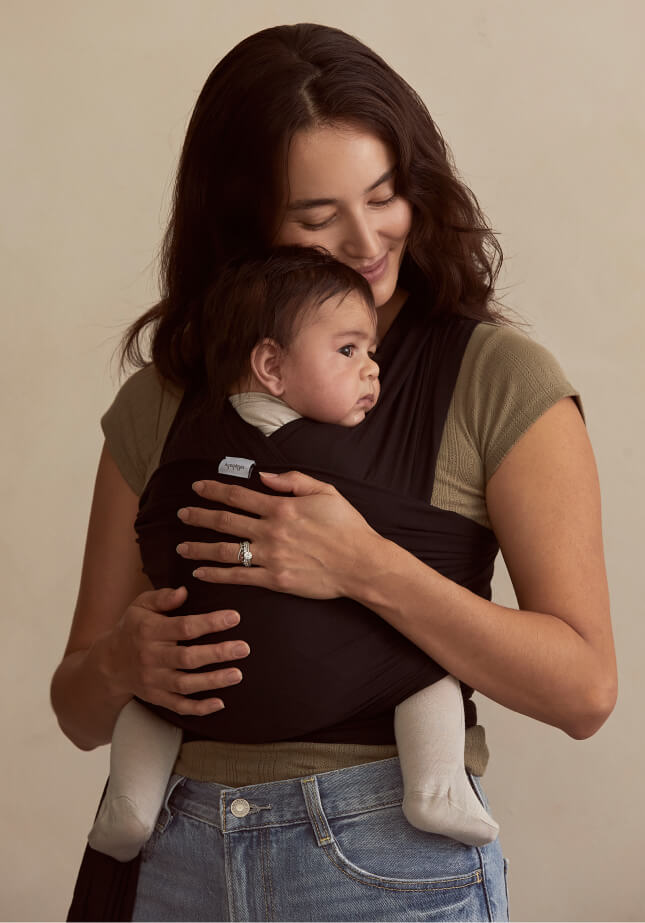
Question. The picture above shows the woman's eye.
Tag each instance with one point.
(347, 351)
(311, 226)
(380, 202)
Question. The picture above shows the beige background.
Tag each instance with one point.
(542, 103)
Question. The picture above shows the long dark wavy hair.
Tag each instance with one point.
(231, 182)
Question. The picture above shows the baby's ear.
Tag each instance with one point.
(266, 365)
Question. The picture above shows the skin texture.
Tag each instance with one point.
(327, 373)
(553, 659)
(358, 217)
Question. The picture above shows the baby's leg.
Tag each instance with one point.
(437, 794)
(144, 750)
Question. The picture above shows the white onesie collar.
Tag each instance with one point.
(266, 412)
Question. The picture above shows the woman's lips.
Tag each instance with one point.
(374, 272)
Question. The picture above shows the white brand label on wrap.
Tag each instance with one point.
(236, 467)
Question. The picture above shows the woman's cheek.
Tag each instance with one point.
(402, 218)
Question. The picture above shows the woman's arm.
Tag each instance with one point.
(553, 659)
(118, 648)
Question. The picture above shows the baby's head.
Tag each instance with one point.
(300, 326)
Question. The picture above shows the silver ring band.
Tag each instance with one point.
(245, 555)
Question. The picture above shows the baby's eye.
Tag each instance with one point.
(347, 350)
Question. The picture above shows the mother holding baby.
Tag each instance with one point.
(302, 136)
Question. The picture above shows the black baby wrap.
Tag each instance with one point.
(325, 670)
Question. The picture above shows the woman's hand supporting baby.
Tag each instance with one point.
(150, 663)
(311, 544)
(121, 643)
(140, 656)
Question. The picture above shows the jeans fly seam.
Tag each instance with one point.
(269, 902)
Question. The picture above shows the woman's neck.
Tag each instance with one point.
(387, 313)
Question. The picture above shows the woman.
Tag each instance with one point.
(304, 136)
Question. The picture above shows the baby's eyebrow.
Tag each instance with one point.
(356, 334)
(299, 204)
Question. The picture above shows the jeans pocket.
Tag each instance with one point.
(379, 848)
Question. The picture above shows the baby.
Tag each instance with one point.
(317, 361)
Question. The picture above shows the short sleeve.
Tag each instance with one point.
(506, 382)
(513, 381)
(136, 424)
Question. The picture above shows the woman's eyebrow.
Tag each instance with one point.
(299, 204)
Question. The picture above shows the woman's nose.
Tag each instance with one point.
(361, 241)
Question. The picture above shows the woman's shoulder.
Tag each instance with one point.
(499, 348)
(506, 382)
(137, 422)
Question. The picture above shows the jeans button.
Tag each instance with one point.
(240, 807)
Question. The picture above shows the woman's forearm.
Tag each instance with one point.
(531, 662)
(84, 696)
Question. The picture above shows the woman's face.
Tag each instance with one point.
(341, 197)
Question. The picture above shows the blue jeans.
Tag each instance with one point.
(333, 846)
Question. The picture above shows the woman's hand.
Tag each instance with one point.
(310, 544)
(149, 662)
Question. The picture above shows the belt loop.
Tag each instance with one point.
(315, 811)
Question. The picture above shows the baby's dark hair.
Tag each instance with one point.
(270, 296)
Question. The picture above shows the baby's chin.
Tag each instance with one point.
(354, 417)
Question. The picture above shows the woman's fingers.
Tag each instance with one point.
(190, 627)
(242, 576)
(221, 521)
(198, 655)
(162, 600)
(189, 683)
(195, 707)
(297, 483)
(239, 498)
(222, 552)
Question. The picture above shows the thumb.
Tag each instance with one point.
(295, 482)
(164, 599)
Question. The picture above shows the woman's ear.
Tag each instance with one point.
(266, 365)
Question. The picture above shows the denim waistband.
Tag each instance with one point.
(352, 790)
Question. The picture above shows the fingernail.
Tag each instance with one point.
(183, 513)
(199, 572)
(269, 474)
(198, 486)
(241, 650)
(231, 619)
(234, 676)
(182, 549)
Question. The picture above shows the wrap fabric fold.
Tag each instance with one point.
(323, 670)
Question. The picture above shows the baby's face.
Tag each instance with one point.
(328, 372)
